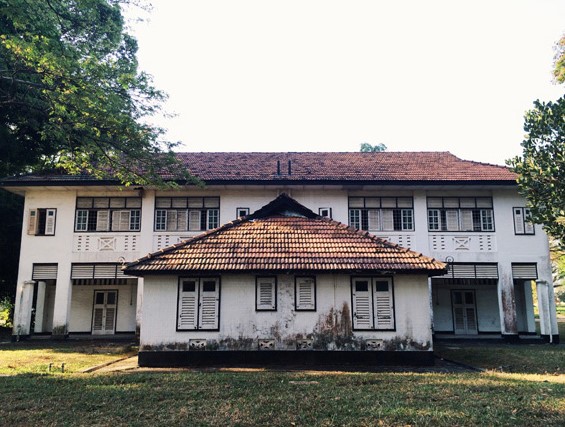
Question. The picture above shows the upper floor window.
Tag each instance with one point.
(108, 214)
(42, 222)
(186, 213)
(460, 214)
(381, 213)
(521, 223)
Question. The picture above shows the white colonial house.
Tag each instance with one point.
(265, 271)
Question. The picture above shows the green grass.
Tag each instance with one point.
(279, 399)
(30, 396)
(35, 357)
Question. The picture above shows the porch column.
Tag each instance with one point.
(22, 310)
(547, 312)
(507, 303)
(529, 300)
(62, 310)
(138, 308)
(39, 307)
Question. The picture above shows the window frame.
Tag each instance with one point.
(198, 302)
(297, 303)
(328, 210)
(274, 291)
(373, 211)
(524, 212)
(239, 211)
(374, 312)
(89, 222)
(441, 218)
(38, 222)
(209, 216)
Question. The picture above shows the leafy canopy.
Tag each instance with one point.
(71, 95)
(368, 148)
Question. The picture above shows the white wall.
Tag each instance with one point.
(241, 326)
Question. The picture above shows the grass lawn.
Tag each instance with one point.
(30, 396)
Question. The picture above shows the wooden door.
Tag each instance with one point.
(104, 316)
(464, 312)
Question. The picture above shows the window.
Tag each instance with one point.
(325, 212)
(460, 214)
(266, 294)
(521, 223)
(373, 303)
(42, 222)
(381, 213)
(187, 213)
(108, 214)
(199, 304)
(241, 212)
(305, 294)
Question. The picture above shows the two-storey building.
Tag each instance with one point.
(80, 231)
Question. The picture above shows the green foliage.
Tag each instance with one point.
(6, 312)
(71, 95)
(368, 148)
(559, 61)
(541, 167)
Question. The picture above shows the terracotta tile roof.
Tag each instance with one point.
(276, 242)
(306, 167)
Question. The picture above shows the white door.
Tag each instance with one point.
(464, 312)
(104, 316)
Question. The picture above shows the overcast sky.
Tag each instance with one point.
(299, 75)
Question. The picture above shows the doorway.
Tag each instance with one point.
(464, 312)
(104, 313)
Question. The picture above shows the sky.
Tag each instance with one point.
(328, 75)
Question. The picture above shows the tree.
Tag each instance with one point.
(71, 96)
(368, 148)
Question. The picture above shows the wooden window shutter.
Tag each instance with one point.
(182, 220)
(50, 215)
(209, 304)
(452, 220)
(388, 219)
(362, 304)
(194, 221)
(171, 220)
(373, 219)
(305, 293)
(120, 220)
(32, 223)
(266, 294)
(528, 226)
(384, 304)
(188, 304)
(103, 221)
(466, 220)
(518, 220)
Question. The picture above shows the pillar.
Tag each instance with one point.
(39, 307)
(22, 310)
(507, 304)
(62, 309)
(547, 312)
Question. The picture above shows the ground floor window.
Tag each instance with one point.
(373, 303)
(199, 304)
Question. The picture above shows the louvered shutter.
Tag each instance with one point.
(188, 304)
(209, 304)
(383, 301)
(452, 220)
(305, 293)
(466, 220)
(373, 219)
(120, 220)
(98, 321)
(50, 215)
(266, 296)
(103, 221)
(362, 304)
(171, 220)
(528, 226)
(388, 220)
(32, 223)
(194, 222)
(519, 220)
(182, 220)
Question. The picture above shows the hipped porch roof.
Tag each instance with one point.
(284, 236)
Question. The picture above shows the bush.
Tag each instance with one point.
(6, 312)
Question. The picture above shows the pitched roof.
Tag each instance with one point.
(284, 236)
(326, 167)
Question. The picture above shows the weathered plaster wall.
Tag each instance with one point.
(329, 327)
